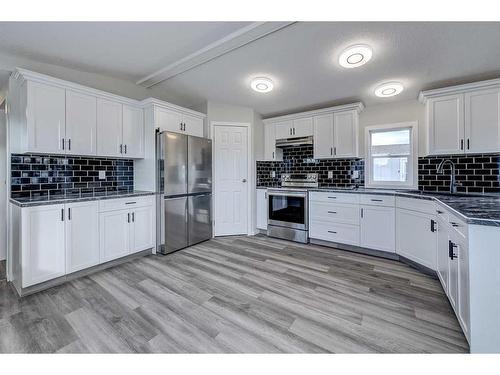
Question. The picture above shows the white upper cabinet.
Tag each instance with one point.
(175, 121)
(45, 117)
(345, 134)
(109, 128)
(302, 127)
(323, 136)
(270, 151)
(463, 119)
(81, 123)
(133, 132)
(284, 129)
(482, 121)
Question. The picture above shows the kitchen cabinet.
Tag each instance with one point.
(43, 244)
(142, 222)
(336, 135)
(378, 228)
(82, 235)
(109, 128)
(45, 118)
(416, 237)
(300, 127)
(463, 311)
(443, 237)
(271, 153)
(114, 233)
(174, 121)
(463, 119)
(283, 129)
(81, 124)
(262, 209)
(133, 132)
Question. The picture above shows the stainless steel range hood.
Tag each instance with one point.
(292, 142)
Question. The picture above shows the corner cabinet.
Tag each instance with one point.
(334, 130)
(178, 120)
(262, 208)
(463, 119)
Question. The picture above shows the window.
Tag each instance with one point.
(391, 155)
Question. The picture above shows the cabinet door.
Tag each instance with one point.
(133, 132)
(378, 228)
(445, 119)
(414, 238)
(303, 127)
(463, 310)
(109, 128)
(82, 236)
(442, 253)
(141, 233)
(453, 274)
(46, 118)
(283, 129)
(81, 123)
(43, 254)
(193, 125)
(262, 209)
(482, 121)
(168, 120)
(323, 136)
(114, 234)
(345, 134)
(270, 151)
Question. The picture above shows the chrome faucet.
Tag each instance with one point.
(453, 182)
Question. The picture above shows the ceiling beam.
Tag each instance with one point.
(230, 42)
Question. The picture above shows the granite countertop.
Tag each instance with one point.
(473, 208)
(30, 202)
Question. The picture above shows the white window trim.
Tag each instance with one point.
(412, 165)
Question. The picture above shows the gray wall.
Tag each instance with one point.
(3, 187)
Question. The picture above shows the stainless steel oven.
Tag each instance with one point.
(287, 214)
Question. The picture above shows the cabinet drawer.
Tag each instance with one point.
(333, 197)
(377, 200)
(334, 232)
(458, 225)
(331, 212)
(125, 203)
(415, 204)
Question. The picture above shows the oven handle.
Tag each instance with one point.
(286, 194)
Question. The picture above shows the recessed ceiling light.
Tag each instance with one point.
(355, 56)
(262, 84)
(389, 89)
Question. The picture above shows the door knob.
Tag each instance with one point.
(244, 180)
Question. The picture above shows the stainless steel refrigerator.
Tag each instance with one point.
(184, 180)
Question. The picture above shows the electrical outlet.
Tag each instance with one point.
(273, 174)
(355, 174)
(102, 175)
(330, 174)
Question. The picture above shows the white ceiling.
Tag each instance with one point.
(301, 58)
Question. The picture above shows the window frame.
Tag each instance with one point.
(412, 182)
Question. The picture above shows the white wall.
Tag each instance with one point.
(3, 186)
(411, 110)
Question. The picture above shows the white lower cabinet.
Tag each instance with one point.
(378, 228)
(142, 237)
(442, 266)
(82, 235)
(43, 244)
(262, 209)
(114, 234)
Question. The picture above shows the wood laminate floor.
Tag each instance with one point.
(238, 294)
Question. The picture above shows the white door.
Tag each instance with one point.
(283, 129)
(345, 134)
(44, 254)
(482, 121)
(82, 235)
(141, 234)
(168, 120)
(323, 136)
(262, 209)
(81, 123)
(442, 253)
(303, 127)
(114, 233)
(446, 124)
(193, 125)
(46, 118)
(378, 228)
(109, 128)
(414, 238)
(133, 132)
(231, 185)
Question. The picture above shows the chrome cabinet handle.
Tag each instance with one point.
(453, 224)
(332, 212)
(133, 217)
(69, 144)
(181, 126)
(62, 214)
(69, 213)
(461, 144)
(128, 217)
(244, 180)
(125, 148)
(332, 197)
(377, 200)
(62, 143)
(121, 148)
(331, 150)
(332, 231)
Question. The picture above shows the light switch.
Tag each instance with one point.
(102, 175)
(330, 174)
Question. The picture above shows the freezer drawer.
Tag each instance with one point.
(175, 224)
(200, 165)
(200, 218)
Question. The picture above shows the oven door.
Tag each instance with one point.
(287, 209)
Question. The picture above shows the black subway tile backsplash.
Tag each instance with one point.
(476, 173)
(298, 160)
(34, 176)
